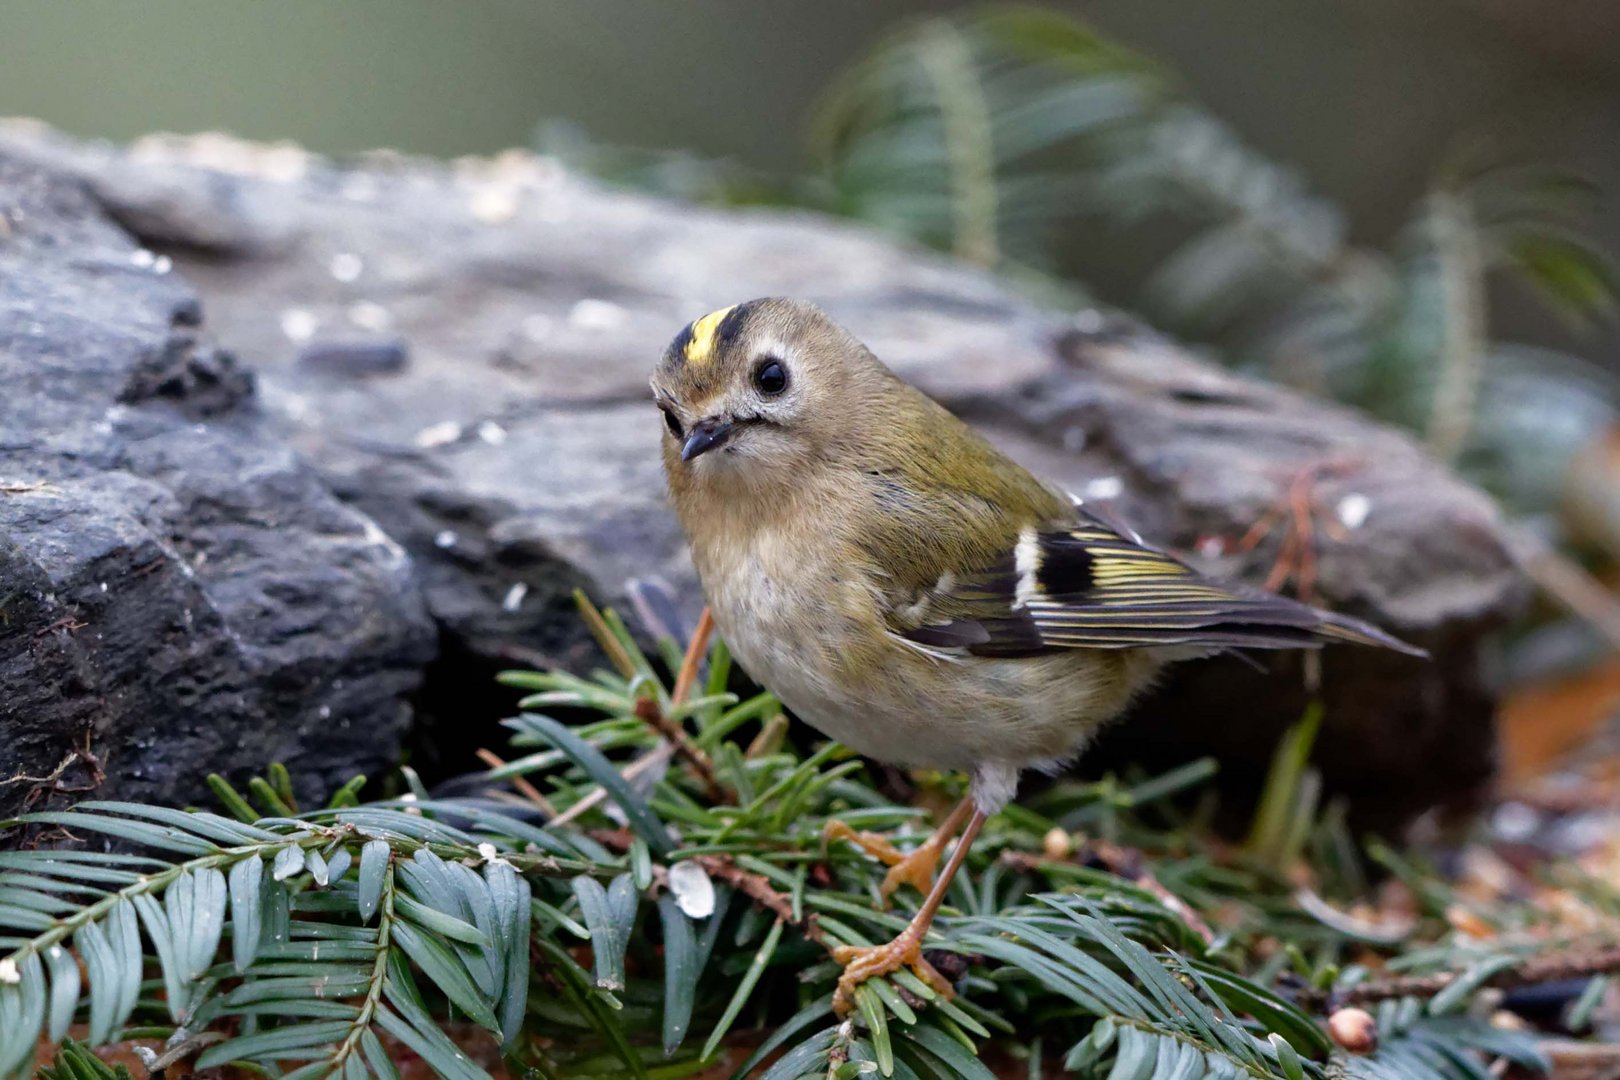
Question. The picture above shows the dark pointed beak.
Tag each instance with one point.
(705, 435)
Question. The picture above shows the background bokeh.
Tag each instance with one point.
(1363, 96)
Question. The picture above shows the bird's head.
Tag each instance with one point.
(756, 390)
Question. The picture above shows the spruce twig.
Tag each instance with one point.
(1557, 966)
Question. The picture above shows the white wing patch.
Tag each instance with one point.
(1027, 564)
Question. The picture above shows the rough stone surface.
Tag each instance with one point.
(179, 593)
(462, 351)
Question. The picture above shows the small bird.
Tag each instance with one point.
(910, 591)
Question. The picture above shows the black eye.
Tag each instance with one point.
(770, 378)
(672, 423)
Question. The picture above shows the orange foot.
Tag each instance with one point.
(916, 869)
(876, 961)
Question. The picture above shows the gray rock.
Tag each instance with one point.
(179, 593)
(511, 451)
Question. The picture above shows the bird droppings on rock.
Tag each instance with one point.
(443, 433)
(370, 316)
(298, 324)
(346, 267)
(1353, 509)
(589, 314)
(1103, 488)
(143, 259)
(494, 203)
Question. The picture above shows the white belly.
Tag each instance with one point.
(790, 623)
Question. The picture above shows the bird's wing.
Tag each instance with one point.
(1089, 585)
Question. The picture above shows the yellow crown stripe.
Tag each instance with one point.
(701, 348)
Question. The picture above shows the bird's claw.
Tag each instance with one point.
(875, 961)
(916, 869)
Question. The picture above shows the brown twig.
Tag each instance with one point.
(156, 1063)
(1180, 907)
(652, 759)
(655, 717)
(1547, 967)
(20, 777)
(1296, 512)
(758, 889)
(1578, 1060)
(1388, 935)
(526, 789)
(51, 784)
(1304, 536)
(1262, 528)
(696, 649)
(648, 711)
(66, 622)
(604, 635)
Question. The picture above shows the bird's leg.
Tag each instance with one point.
(916, 869)
(905, 950)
